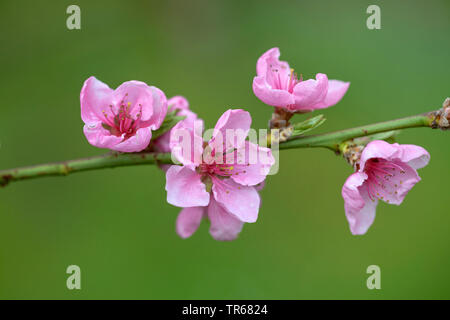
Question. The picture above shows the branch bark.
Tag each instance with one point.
(330, 140)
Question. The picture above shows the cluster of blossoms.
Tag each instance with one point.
(219, 179)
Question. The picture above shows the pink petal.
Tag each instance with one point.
(417, 157)
(379, 149)
(148, 101)
(394, 187)
(159, 108)
(100, 137)
(252, 164)
(189, 220)
(136, 93)
(336, 91)
(261, 64)
(178, 103)
(162, 143)
(310, 92)
(360, 221)
(350, 191)
(135, 143)
(359, 209)
(233, 119)
(95, 97)
(242, 201)
(186, 142)
(273, 97)
(224, 226)
(185, 188)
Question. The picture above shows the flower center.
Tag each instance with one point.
(221, 169)
(284, 81)
(383, 179)
(120, 121)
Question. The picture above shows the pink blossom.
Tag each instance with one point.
(277, 85)
(121, 119)
(179, 103)
(212, 186)
(387, 172)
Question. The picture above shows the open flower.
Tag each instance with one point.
(181, 105)
(121, 119)
(218, 179)
(386, 172)
(277, 85)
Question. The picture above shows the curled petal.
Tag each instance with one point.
(415, 156)
(224, 226)
(189, 220)
(336, 91)
(185, 188)
(271, 55)
(360, 221)
(359, 209)
(273, 97)
(310, 93)
(379, 149)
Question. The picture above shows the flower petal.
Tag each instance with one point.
(162, 143)
(271, 55)
(159, 108)
(415, 156)
(224, 226)
(394, 186)
(177, 103)
(359, 209)
(379, 149)
(135, 143)
(242, 201)
(273, 97)
(186, 142)
(100, 137)
(185, 188)
(138, 94)
(360, 221)
(189, 220)
(251, 164)
(336, 91)
(233, 119)
(95, 97)
(310, 92)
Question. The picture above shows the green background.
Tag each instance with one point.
(116, 224)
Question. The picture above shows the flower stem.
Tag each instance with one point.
(111, 160)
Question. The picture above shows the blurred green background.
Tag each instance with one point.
(116, 224)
